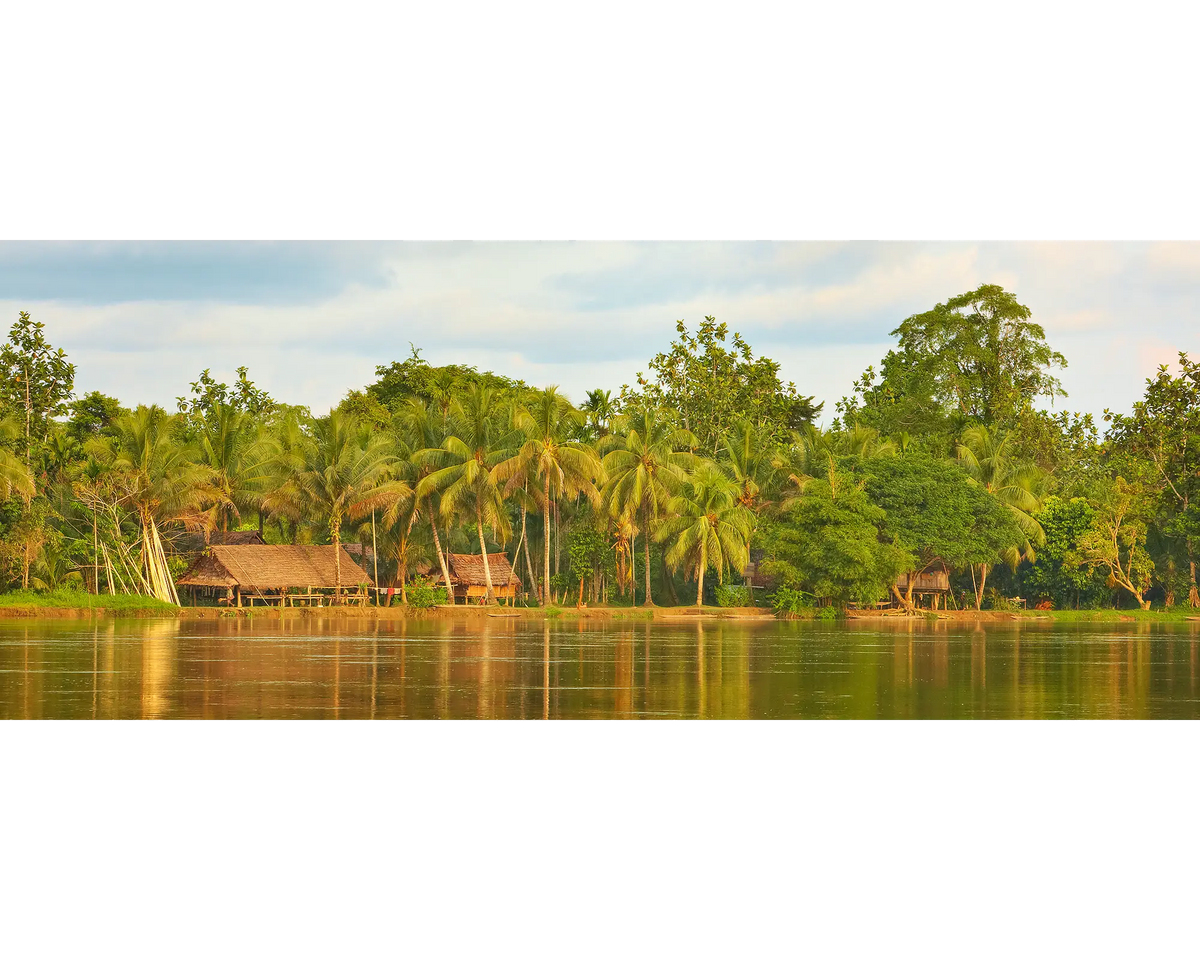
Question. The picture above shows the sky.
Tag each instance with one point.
(313, 320)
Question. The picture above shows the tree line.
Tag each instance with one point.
(944, 456)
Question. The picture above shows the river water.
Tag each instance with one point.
(499, 668)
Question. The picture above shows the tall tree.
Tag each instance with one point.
(982, 354)
(561, 465)
(35, 378)
(464, 467)
(647, 463)
(1164, 431)
(712, 385)
(347, 472)
(707, 526)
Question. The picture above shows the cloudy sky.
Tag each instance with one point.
(312, 320)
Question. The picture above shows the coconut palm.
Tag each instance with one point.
(600, 411)
(347, 472)
(14, 474)
(160, 476)
(464, 467)
(240, 456)
(647, 462)
(748, 458)
(423, 428)
(988, 459)
(707, 526)
(560, 465)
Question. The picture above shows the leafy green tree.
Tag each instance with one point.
(208, 394)
(711, 385)
(92, 415)
(707, 526)
(1163, 431)
(934, 510)
(1058, 573)
(828, 543)
(365, 409)
(35, 379)
(984, 355)
(401, 381)
(1116, 542)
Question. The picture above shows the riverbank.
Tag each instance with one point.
(52, 607)
(64, 605)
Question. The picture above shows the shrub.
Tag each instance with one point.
(790, 602)
(829, 614)
(424, 593)
(733, 595)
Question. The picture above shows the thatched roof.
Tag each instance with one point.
(195, 542)
(467, 569)
(259, 567)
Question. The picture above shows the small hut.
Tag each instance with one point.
(272, 574)
(469, 581)
(932, 580)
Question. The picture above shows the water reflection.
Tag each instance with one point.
(505, 668)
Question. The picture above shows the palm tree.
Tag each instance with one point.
(346, 472)
(423, 430)
(707, 526)
(14, 474)
(161, 476)
(464, 467)
(240, 457)
(749, 459)
(648, 464)
(564, 466)
(600, 410)
(988, 459)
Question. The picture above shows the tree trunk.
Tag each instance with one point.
(983, 572)
(646, 536)
(633, 567)
(487, 567)
(335, 528)
(900, 599)
(700, 575)
(546, 524)
(437, 545)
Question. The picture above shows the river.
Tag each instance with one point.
(237, 668)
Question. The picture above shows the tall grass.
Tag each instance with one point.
(78, 600)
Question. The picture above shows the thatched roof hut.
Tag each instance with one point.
(467, 575)
(186, 543)
(258, 567)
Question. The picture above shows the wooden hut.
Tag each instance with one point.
(273, 574)
(933, 580)
(469, 581)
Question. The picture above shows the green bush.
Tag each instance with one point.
(789, 601)
(733, 595)
(424, 593)
(829, 614)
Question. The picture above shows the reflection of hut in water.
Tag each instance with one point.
(272, 574)
(932, 580)
(470, 582)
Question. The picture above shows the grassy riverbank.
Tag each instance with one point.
(73, 604)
